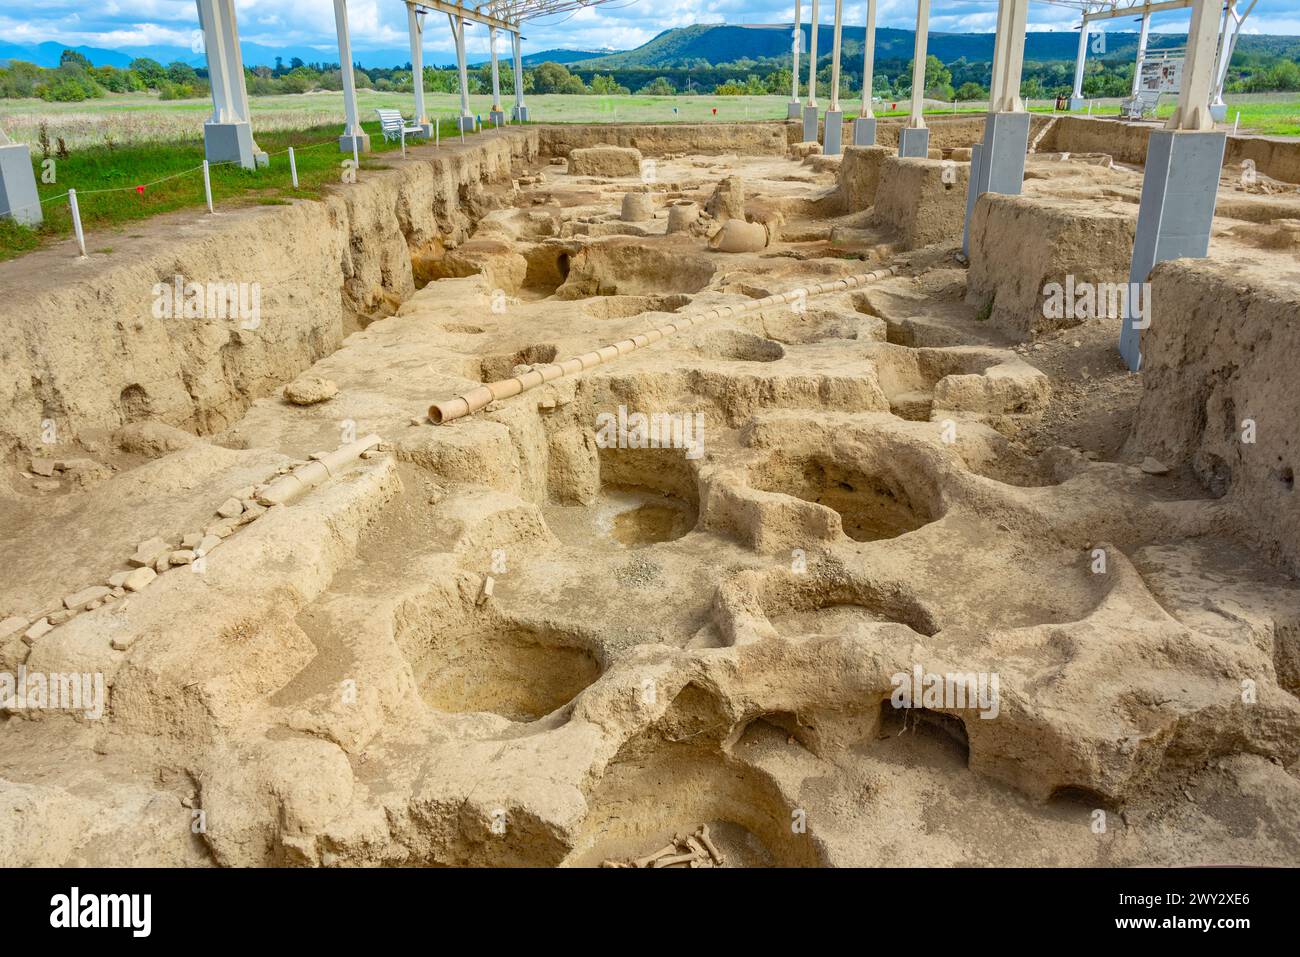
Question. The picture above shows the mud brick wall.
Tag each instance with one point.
(923, 199)
(1019, 244)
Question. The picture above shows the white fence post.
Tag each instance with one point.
(293, 168)
(207, 185)
(76, 221)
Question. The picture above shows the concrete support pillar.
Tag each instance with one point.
(1232, 21)
(521, 111)
(1193, 109)
(1181, 180)
(415, 27)
(353, 134)
(810, 106)
(228, 134)
(864, 127)
(998, 163)
(466, 119)
(496, 115)
(796, 41)
(1008, 57)
(972, 194)
(1076, 98)
(1143, 33)
(834, 127)
(914, 138)
(19, 199)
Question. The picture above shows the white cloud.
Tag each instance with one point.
(381, 24)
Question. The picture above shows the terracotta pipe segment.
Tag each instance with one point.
(306, 477)
(478, 397)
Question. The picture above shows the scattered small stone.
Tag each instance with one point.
(247, 491)
(182, 556)
(252, 512)
(416, 420)
(117, 578)
(60, 617)
(191, 540)
(230, 508)
(39, 630)
(123, 642)
(1077, 344)
(12, 625)
(219, 529)
(81, 599)
(47, 485)
(43, 467)
(95, 604)
(208, 543)
(148, 553)
(121, 590)
(163, 563)
(139, 578)
(1154, 466)
(73, 465)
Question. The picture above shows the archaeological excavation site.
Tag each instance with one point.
(807, 493)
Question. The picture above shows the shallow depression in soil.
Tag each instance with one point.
(623, 515)
(517, 672)
(872, 507)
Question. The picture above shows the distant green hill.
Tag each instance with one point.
(560, 56)
(716, 44)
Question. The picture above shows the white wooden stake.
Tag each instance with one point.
(76, 221)
(1235, 122)
(293, 168)
(207, 185)
(356, 160)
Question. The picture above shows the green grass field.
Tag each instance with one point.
(121, 142)
(107, 179)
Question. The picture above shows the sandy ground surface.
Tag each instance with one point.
(505, 640)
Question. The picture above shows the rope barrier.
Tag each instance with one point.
(203, 167)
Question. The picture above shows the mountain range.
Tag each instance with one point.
(701, 44)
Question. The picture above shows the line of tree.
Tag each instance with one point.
(76, 79)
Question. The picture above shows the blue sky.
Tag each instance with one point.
(622, 24)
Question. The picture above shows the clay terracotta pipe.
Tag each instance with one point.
(289, 487)
(477, 398)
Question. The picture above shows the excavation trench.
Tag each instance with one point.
(401, 592)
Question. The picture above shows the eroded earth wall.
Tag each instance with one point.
(1127, 142)
(81, 348)
(1218, 379)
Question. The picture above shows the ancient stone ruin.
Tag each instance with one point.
(665, 497)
